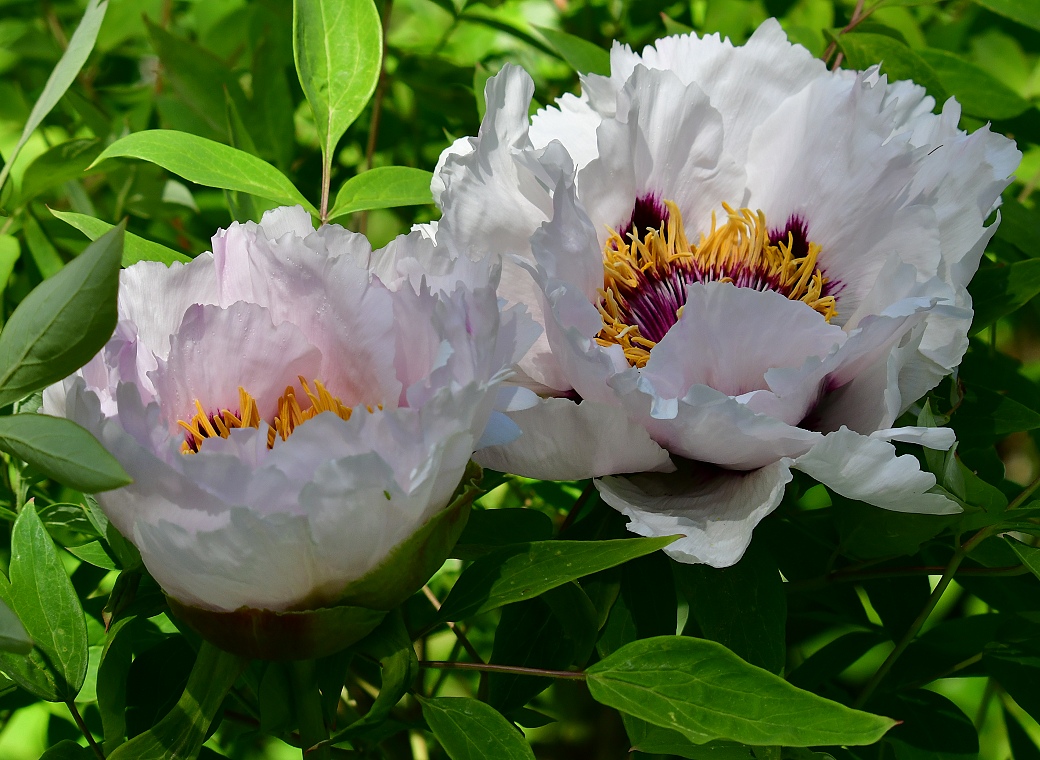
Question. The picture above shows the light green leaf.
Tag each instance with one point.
(583, 56)
(182, 731)
(1030, 555)
(999, 290)
(135, 247)
(62, 450)
(59, 164)
(63, 76)
(705, 692)
(208, 163)
(67, 749)
(384, 187)
(63, 322)
(43, 252)
(523, 571)
(13, 636)
(43, 597)
(471, 730)
(338, 48)
(863, 50)
(93, 552)
(10, 250)
(980, 93)
(1025, 12)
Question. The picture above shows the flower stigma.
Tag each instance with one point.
(645, 280)
(291, 414)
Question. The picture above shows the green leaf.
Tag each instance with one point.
(135, 248)
(702, 690)
(182, 731)
(43, 597)
(338, 48)
(654, 740)
(13, 636)
(62, 450)
(470, 730)
(999, 290)
(63, 322)
(113, 671)
(62, 77)
(1030, 555)
(57, 165)
(43, 252)
(931, 727)
(67, 749)
(986, 415)
(383, 187)
(208, 163)
(523, 571)
(582, 55)
(980, 93)
(10, 250)
(490, 529)
(743, 607)
(862, 50)
(93, 552)
(1025, 12)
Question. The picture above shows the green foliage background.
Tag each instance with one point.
(829, 587)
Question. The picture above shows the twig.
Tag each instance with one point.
(459, 634)
(853, 23)
(922, 618)
(578, 505)
(514, 669)
(71, 704)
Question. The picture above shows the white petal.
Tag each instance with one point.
(867, 469)
(938, 438)
(715, 510)
(564, 440)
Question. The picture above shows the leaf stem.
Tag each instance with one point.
(377, 108)
(71, 704)
(313, 730)
(326, 179)
(1028, 491)
(459, 633)
(514, 669)
(922, 618)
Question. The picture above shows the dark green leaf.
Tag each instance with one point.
(57, 165)
(706, 692)
(113, 670)
(1022, 745)
(651, 739)
(1019, 228)
(986, 416)
(68, 750)
(831, 659)
(62, 77)
(44, 599)
(523, 571)
(13, 636)
(863, 50)
(999, 290)
(470, 730)
(979, 92)
(582, 55)
(868, 532)
(208, 163)
(489, 529)
(383, 187)
(1025, 12)
(180, 734)
(338, 47)
(135, 248)
(743, 607)
(63, 322)
(62, 450)
(46, 257)
(932, 728)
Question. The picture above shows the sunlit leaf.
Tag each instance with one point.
(135, 247)
(383, 187)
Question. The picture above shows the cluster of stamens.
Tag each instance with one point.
(290, 415)
(645, 279)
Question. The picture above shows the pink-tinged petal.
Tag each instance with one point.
(564, 440)
(709, 426)
(154, 297)
(867, 469)
(666, 144)
(714, 510)
(730, 338)
(216, 351)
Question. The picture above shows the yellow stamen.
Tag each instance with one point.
(289, 416)
(738, 250)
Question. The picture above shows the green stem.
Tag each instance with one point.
(922, 618)
(313, 730)
(71, 704)
(514, 669)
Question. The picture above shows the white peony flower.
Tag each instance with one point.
(744, 263)
(289, 419)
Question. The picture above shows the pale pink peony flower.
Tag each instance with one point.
(744, 264)
(289, 418)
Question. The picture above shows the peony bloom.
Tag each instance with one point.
(289, 419)
(744, 264)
